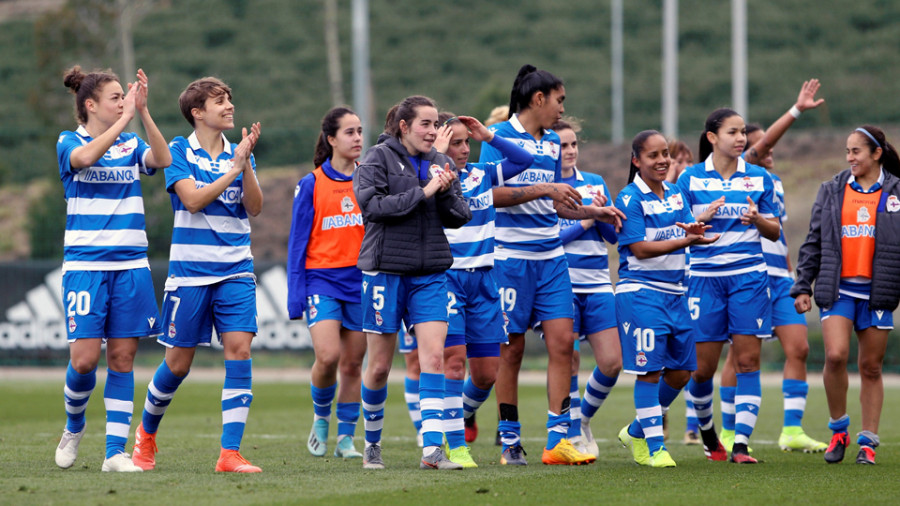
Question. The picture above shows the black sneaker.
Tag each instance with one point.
(835, 452)
(514, 456)
(866, 455)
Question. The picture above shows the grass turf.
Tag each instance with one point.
(31, 420)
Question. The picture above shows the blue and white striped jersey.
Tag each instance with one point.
(739, 249)
(472, 245)
(776, 252)
(105, 228)
(531, 230)
(212, 244)
(585, 249)
(651, 219)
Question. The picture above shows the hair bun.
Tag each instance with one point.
(73, 78)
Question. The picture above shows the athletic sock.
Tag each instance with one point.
(692, 425)
(557, 427)
(77, 392)
(667, 394)
(747, 399)
(347, 414)
(322, 399)
(431, 400)
(118, 397)
(595, 392)
(411, 394)
(160, 392)
(702, 393)
(839, 425)
(508, 426)
(373, 412)
(454, 428)
(473, 398)
(795, 392)
(237, 395)
(726, 401)
(649, 413)
(868, 438)
(574, 409)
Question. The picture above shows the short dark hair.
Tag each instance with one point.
(196, 93)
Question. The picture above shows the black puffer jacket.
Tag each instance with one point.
(404, 230)
(820, 256)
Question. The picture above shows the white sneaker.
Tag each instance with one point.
(67, 451)
(120, 463)
(590, 444)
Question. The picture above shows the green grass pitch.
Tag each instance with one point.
(32, 417)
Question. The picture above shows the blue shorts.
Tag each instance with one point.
(532, 291)
(323, 307)
(407, 340)
(110, 304)
(727, 305)
(475, 306)
(858, 311)
(594, 312)
(783, 312)
(191, 312)
(656, 332)
(390, 299)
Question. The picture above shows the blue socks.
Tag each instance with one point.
(747, 399)
(322, 399)
(77, 392)
(431, 402)
(236, 399)
(454, 428)
(795, 392)
(373, 413)
(159, 395)
(347, 415)
(595, 392)
(118, 396)
(726, 401)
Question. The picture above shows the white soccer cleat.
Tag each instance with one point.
(588, 437)
(120, 463)
(67, 451)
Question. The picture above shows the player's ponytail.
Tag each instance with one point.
(713, 124)
(85, 86)
(874, 138)
(637, 147)
(330, 124)
(529, 81)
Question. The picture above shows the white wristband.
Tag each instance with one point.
(795, 112)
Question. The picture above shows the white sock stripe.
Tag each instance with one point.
(118, 429)
(411, 397)
(741, 439)
(233, 415)
(706, 399)
(745, 418)
(453, 425)
(373, 425)
(748, 399)
(654, 431)
(727, 409)
(575, 413)
(795, 403)
(231, 393)
(415, 416)
(118, 405)
(153, 409)
(76, 396)
(562, 429)
(432, 425)
(453, 403)
(74, 410)
(326, 405)
(472, 405)
(372, 407)
(433, 404)
(651, 412)
(155, 392)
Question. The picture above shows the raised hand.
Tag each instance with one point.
(751, 215)
(140, 89)
(442, 142)
(476, 129)
(807, 97)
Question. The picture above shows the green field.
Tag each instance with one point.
(31, 419)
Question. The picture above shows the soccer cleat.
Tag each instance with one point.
(513, 456)
(590, 443)
(144, 452)
(231, 461)
(471, 429)
(661, 459)
(317, 437)
(639, 450)
(793, 439)
(742, 458)
(345, 449)
(579, 444)
(866, 455)
(462, 456)
(565, 454)
(120, 463)
(438, 460)
(835, 452)
(691, 438)
(717, 455)
(726, 437)
(372, 457)
(67, 451)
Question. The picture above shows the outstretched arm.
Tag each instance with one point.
(561, 193)
(805, 100)
(159, 156)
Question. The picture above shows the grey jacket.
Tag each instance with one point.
(820, 254)
(404, 230)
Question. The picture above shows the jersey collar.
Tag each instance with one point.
(741, 164)
(514, 121)
(875, 187)
(195, 143)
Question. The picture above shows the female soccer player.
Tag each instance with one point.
(851, 255)
(407, 192)
(213, 187)
(476, 325)
(594, 303)
(324, 282)
(728, 287)
(651, 304)
(681, 157)
(107, 288)
(531, 265)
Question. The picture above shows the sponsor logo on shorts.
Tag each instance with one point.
(759, 322)
(72, 325)
(626, 326)
(505, 319)
(378, 319)
(172, 330)
(879, 313)
(151, 321)
(641, 359)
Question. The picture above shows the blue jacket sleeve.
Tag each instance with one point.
(301, 226)
(571, 233)
(517, 159)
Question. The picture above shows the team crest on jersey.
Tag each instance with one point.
(72, 325)
(626, 199)
(893, 204)
(434, 170)
(347, 204)
(121, 150)
(641, 359)
(378, 319)
(677, 203)
(473, 180)
(553, 150)
(172, 331)
(863, 216)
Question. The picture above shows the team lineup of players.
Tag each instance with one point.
(462, 259)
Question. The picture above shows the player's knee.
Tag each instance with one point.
(835, 360)
(870, 369)
(83, 365)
